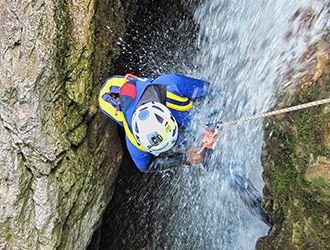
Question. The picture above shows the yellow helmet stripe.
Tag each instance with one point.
(131, 137)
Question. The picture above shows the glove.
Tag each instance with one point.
(195, 156)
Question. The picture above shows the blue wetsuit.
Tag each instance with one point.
(184, 88)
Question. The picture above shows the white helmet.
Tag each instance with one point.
(154, 127)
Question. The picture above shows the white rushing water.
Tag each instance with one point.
(245, 49)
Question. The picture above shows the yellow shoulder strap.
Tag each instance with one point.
(113, 112)
(131, 137)
(107, 107)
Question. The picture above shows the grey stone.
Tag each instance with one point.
(53, 190)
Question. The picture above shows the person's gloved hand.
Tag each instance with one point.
(195, 156)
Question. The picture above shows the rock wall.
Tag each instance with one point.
(58, 156)
(297, 162)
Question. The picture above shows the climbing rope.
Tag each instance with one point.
(275, 112)
(210, 136)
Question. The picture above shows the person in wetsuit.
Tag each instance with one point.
(154, 113)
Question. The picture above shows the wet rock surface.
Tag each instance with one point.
(58, 159)
(296, 162)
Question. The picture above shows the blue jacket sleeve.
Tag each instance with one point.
(141, 159)
(190, 87)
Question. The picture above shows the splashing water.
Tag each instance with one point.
(245, 49)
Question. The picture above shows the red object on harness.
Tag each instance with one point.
(128, 89)
(209, 139)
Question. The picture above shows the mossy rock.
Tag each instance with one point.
(297, 174)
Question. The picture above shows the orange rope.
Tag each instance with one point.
(129, 75)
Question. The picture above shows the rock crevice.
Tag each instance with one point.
(58, 158)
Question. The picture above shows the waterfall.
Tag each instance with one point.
(245, 49)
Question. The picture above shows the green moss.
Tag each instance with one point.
(320, 184)
(299, 207)
(283, 179)
(77, 135)
(88, 161)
